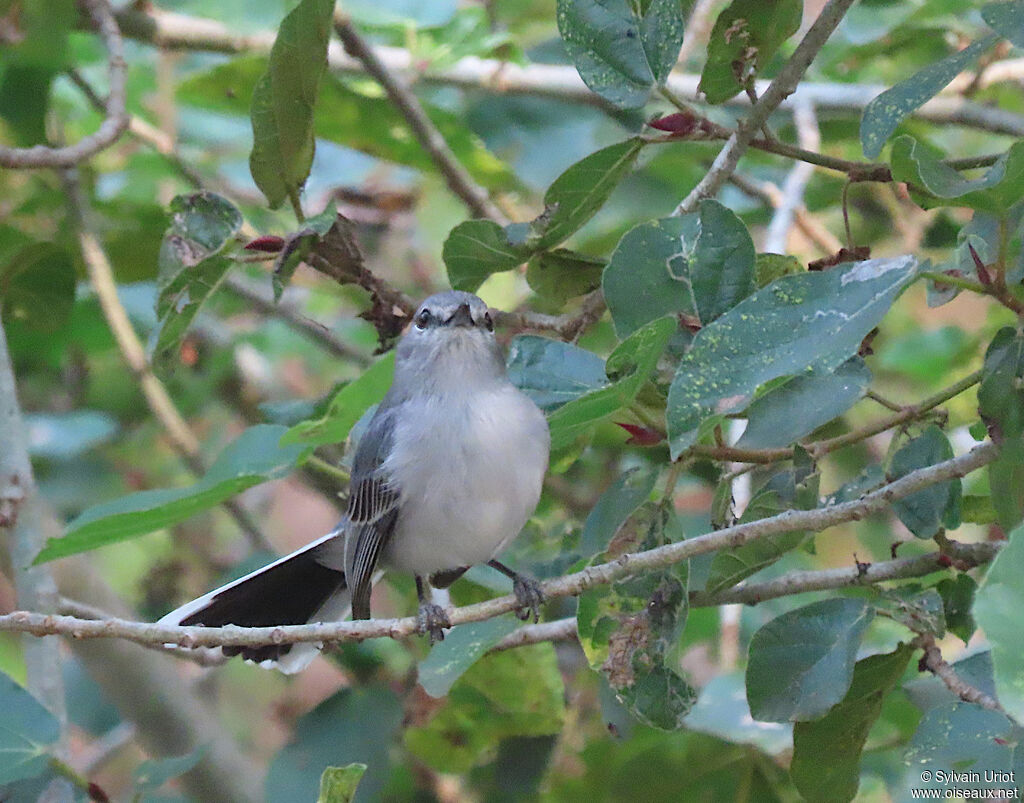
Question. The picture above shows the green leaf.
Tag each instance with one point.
(919, 610)
(959, 737)
(629, 367)
(513, 693)
(349, 114)
(622, 49)
(152, 774)
(1006, 19)
(353, 725)
(997, 606)
(1001, 404)
(254, 457)
(883, 114)
(926, 511)
(769, 267)
(614, 507)
(27, 730)
(700, 264)
(37, 287)
(552, 372)
(299, 246)
(811, 321)
(728, 567)
(556, 276)
(995, 191)
(785, 414)
(477, 248)
(448, 660)
(747, 32)
(826, 753)
(801, 663)
(627, 629)
(338, 784)
(192, 265)
(957, 602)
(284, 100)
(347, 407)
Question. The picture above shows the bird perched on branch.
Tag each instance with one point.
(445, 476)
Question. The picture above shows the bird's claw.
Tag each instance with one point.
(432, 619)
(529, 597)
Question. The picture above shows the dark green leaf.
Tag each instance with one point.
(826, 753)
(37, 287)
(622, 49)
(807, 401)
(926, 511)
(353, 725)
(463, 645)
(1001, 394)
(338, 784)
(997, 606)
(801, 663)
(629, 367)
(254, 457)
(152, 774)
(883, 114)
(346, 407)
(658, 696)
(26, 731)
(284, 100)
(1006, 19)
(477, 248)
(920, 611)
(995, 191)
(701, 264)
(513, 693)
(746, 35)
(814, 320)
(957, 601)
(556, 276)
(962, 738)
(552, 372)
(298, 247)
(191, 264)
(1006, 483)
(613, 507)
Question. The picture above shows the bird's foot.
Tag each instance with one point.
(528, 596)
(432, 619)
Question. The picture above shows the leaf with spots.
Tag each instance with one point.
(622, 48)
(812, 321)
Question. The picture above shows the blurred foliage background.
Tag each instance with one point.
(534, 722)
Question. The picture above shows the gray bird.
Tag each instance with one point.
(445, 476)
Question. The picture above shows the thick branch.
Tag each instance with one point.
(113, 125)
(569, 585)
(783, 86)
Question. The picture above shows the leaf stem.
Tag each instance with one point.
(293, 196)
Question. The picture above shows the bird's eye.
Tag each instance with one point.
(423, 319)
(488, 322)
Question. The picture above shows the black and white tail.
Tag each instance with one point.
(299, 588)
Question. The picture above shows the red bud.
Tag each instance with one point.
(641, 436)
(678, 124)
(268, 242)
(983, 275)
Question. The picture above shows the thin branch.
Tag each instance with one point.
(627, 565)
(181, 32)
(800, 582)
(456, 176)
(568, 326)
(113, 125)
(558, 630)
(809, 136)
(784, 85)
(934, 661)
(101, 275)
(315, 332)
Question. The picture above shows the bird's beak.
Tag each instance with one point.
(461, 317)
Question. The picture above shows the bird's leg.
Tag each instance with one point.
(527, 590)
(431, 618)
